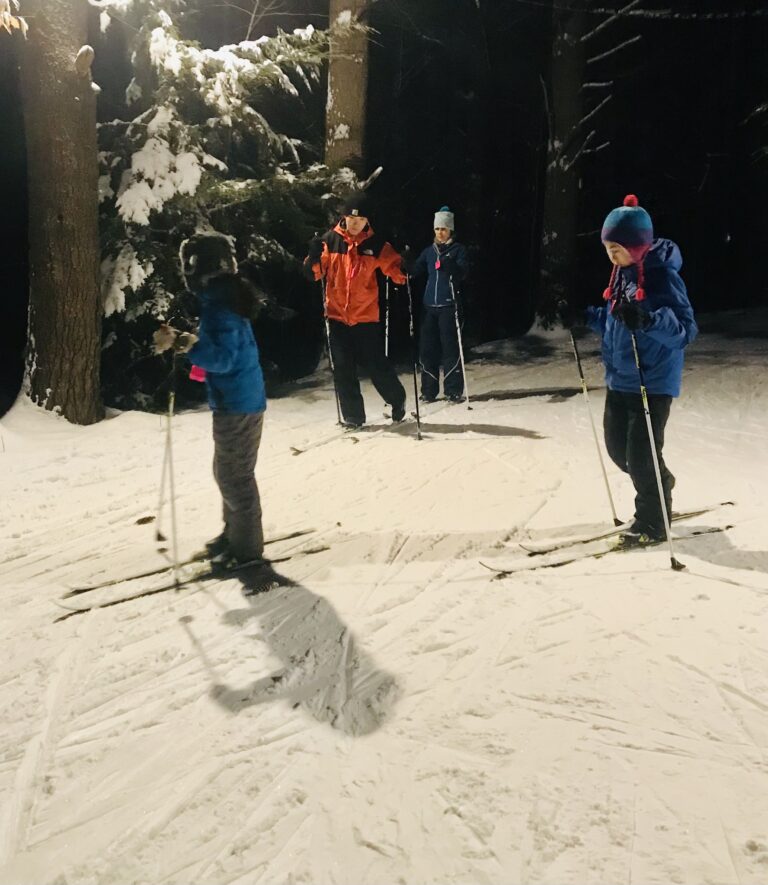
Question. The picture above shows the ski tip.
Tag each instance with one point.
(497, 572)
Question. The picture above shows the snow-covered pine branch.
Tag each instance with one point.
(10, 22)
(201, 149)
(612, 19)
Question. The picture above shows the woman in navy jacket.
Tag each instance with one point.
(445, 265)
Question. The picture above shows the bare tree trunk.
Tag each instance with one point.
(60, 123)
(347, 90)
(564, 109)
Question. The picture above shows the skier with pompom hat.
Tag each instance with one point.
(645, 307)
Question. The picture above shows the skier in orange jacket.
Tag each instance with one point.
(347, 259)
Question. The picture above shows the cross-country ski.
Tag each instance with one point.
(526, 565)
(195, 571)
(541, 549)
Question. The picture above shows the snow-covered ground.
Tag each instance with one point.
(397, 716)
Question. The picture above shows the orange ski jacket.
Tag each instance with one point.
(349, 266)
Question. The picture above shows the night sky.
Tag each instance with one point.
(456, 117)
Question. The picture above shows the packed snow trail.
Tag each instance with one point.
(395, 715)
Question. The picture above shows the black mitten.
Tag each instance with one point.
(633, 316)
(315, 250)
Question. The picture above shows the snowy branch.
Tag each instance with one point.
(609, 21)
(9, 22)
(594, 150)
(548, 112)
(594, 111)
(584, 145)
(683, 16)
(615, 49)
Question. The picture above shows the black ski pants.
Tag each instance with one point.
(439, 346)
(353, 346)
(626, 438)
(236, 438)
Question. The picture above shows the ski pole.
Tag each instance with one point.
(413, 355)
(167, 472)
(159, 535)
(324, 287)
(616, 520)
(675, 563)
(458, 336)
(386, 318)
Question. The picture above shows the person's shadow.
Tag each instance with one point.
(323, 669)
(720, 551)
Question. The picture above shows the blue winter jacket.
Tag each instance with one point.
(227, 350)
(437, 292)
(661, 345)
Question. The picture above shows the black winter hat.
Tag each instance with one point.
(358, 203)
(206, 255)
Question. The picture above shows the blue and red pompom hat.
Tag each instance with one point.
(630, 226)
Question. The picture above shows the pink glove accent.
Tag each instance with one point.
(196, 374)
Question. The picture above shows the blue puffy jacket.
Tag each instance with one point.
(661, 345)
(227, 350)
(437, 292)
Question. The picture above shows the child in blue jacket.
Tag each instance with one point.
(647, 297)
(225, 350)
(445, 265)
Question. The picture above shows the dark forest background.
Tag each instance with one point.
(456, 116)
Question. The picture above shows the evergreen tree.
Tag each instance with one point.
(211, 139)
(59, 105)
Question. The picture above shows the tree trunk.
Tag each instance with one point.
(60, 123)
(347, 90)
(561, 189)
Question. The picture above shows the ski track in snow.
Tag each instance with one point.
(396, 716)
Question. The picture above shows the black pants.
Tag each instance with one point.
(236, 439)
(362, 344)
(439, 346)
(626, 438)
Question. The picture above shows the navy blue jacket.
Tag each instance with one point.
(437, 292)
(228, 352)
(661, 345)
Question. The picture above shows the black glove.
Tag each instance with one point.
(633, 316)
(568, 316)
(315, 250)
(407, 261)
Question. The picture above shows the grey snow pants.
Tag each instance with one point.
(236, 439)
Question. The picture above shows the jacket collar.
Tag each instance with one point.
(364, 235)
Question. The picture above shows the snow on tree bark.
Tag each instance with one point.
(347, 87)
